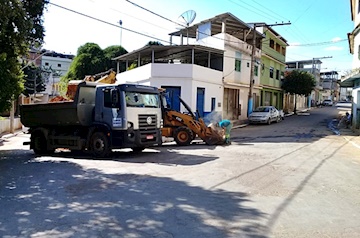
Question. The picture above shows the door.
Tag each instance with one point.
(200, 100)
(173, 96)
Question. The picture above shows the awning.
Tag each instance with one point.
(349, 82)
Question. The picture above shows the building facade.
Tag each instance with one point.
(330, 86)
(352, 80)
(55, 65)
(272, 67)
(212, 74)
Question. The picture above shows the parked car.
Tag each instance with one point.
(343, 104)
(327, 102)
(266, 114)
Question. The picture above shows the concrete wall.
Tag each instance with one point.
(187, 76)
(5, 125)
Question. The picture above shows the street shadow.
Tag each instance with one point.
(60, 199)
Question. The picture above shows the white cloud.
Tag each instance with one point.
(334, 48)
(336, 39)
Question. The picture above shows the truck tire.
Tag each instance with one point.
(39, 144)
(183, 136)
(99, 145)
(138, 149)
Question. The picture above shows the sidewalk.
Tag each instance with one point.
(7, 135)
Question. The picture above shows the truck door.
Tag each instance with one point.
(106, 111)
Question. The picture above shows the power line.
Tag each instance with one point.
(117, 11)
(108, 23)
(154, 13)
(321, 43)
(268, 9)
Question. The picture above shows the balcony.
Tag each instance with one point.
(144, 73)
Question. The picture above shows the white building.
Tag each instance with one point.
(352, 80)
(212, 74)
(57, 65)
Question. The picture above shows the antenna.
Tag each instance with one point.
(184, 21)
(186, 18)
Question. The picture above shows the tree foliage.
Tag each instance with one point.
(91, 59)
(21, 26)
(298, 82)
(34, 80)
(153, 43)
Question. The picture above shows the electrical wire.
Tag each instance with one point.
(108, 23)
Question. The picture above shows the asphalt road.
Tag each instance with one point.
(296, 178)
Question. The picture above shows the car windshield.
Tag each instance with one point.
(262, 109)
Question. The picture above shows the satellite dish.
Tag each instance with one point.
(184, 21)
(186, 18)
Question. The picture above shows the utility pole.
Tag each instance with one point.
(252, 67)
(120, 22)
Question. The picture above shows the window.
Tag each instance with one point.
(237, 65)
(213, 103)
(277, 74)
(256, 69)
(59, 65)
(278, 47)
(283, 51)
(107, 98)
(271, 72)
(272, 43)
(248, 64)
(46, 64)
(238, 61)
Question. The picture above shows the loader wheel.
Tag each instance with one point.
(99, 145)
(183, 136)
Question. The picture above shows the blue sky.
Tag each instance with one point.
(318, 27)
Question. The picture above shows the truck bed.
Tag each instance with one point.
(49, 114)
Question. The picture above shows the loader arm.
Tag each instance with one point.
(207, 134)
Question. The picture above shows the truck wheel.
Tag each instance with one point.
(39, 144)
(138, 149)
(183, 136)
(99, 145)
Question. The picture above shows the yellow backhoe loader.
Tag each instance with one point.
(184, 127)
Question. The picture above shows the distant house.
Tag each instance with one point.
(212, 74)
(329, 83)
(57, 65)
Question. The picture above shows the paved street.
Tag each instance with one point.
(296, 178)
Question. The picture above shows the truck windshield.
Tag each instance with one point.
(136, 99)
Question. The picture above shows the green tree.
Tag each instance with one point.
(112, 52)
(21, 26)
(90, 60)
(34, 80)
(153, 43)
(298, 83)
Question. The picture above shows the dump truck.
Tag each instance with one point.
(184, 127)
(99, 118)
